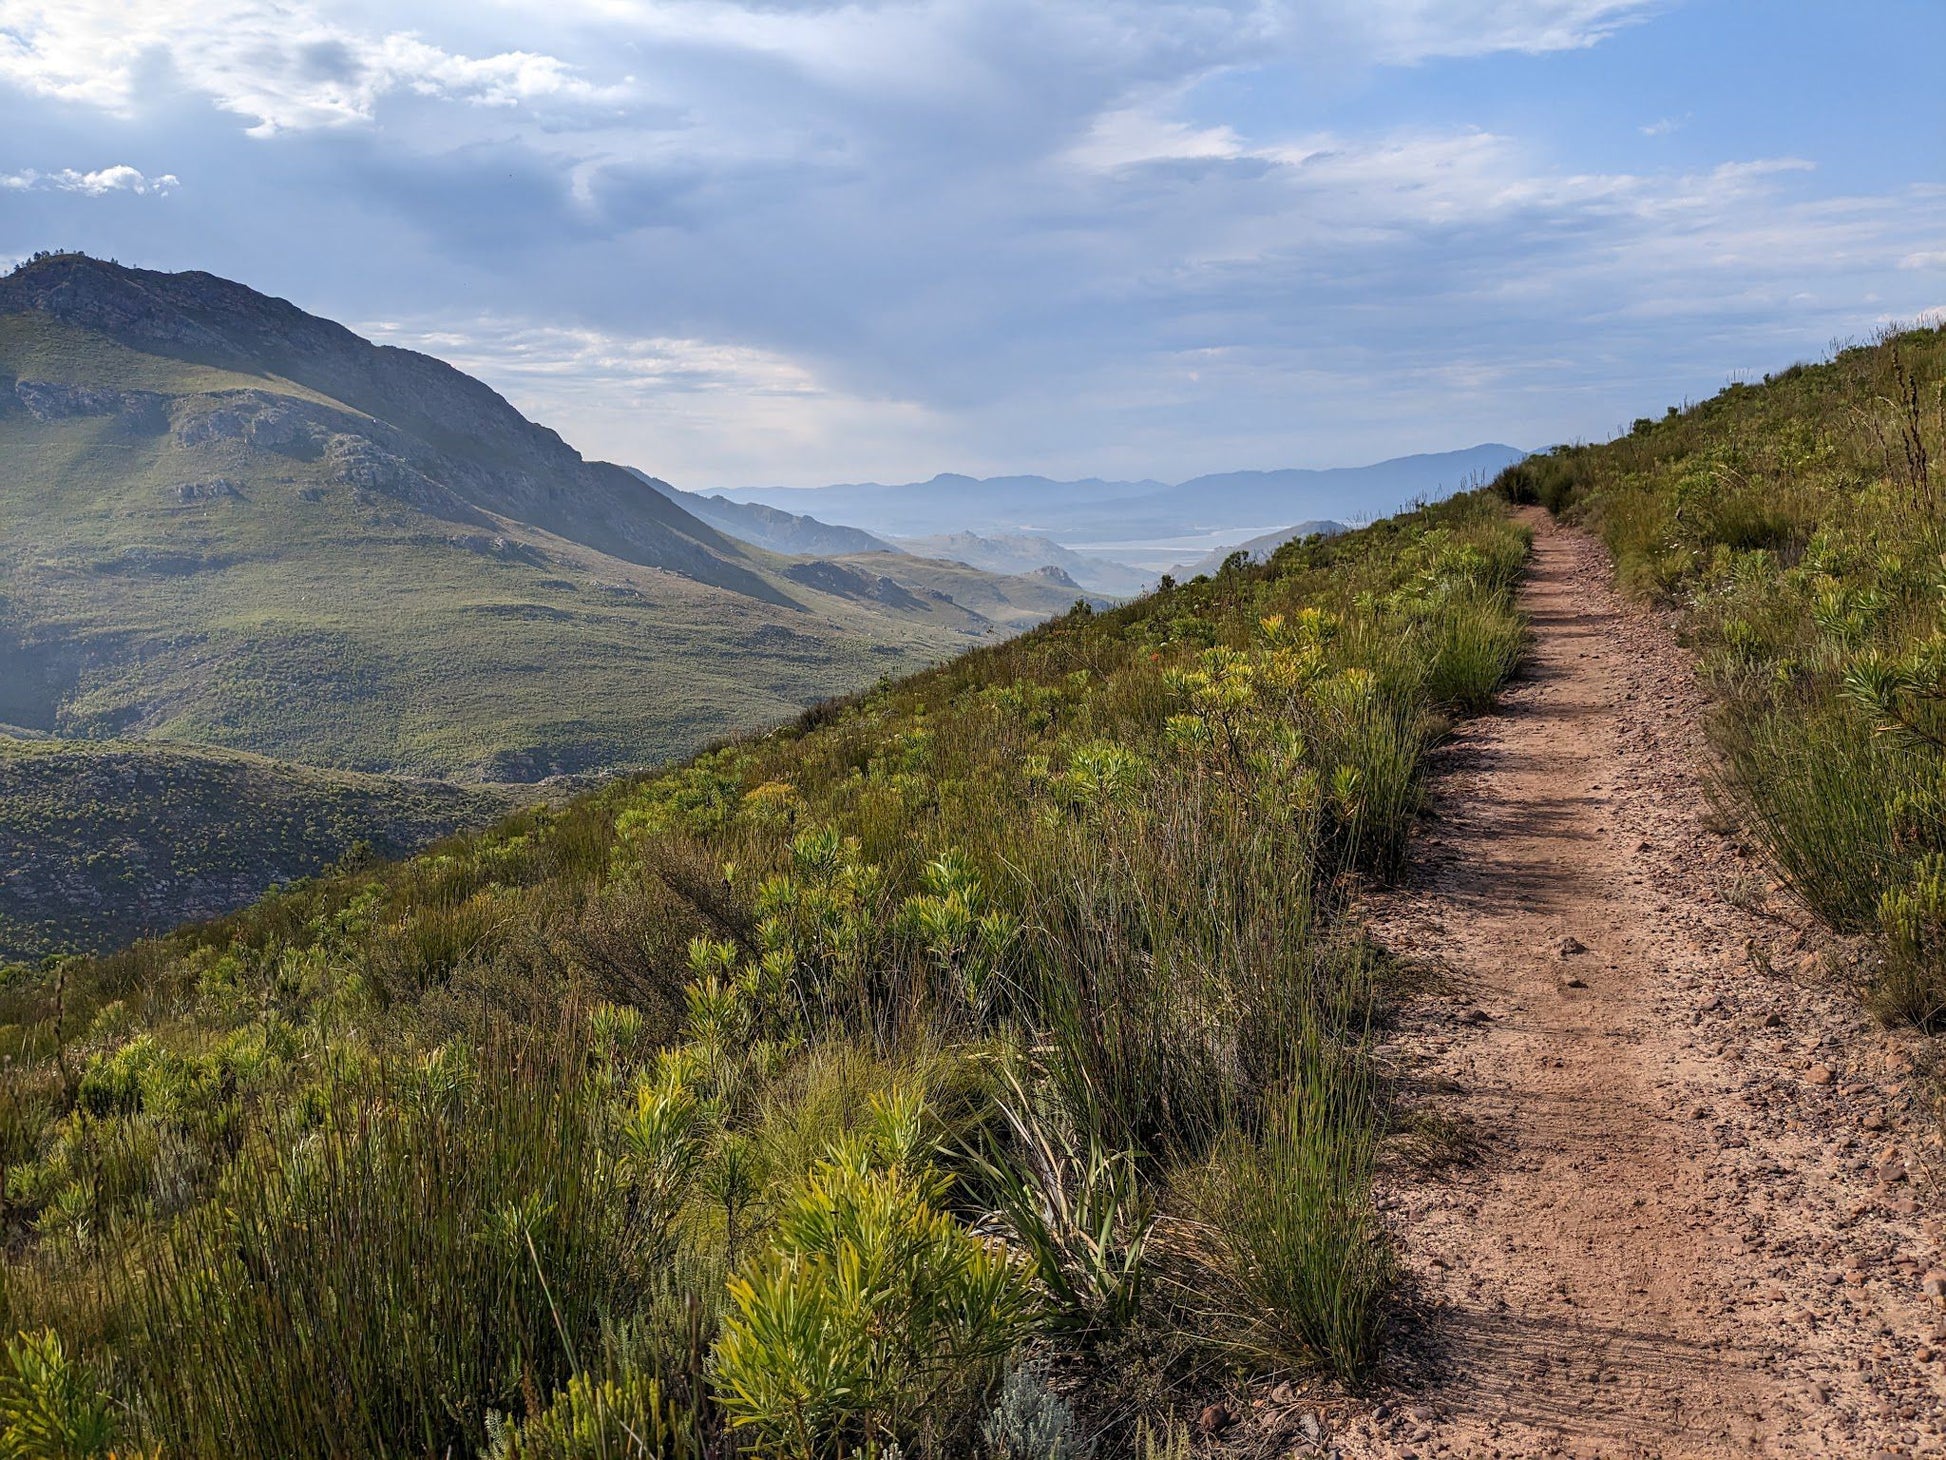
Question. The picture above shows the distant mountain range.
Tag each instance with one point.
(1013, 552)
(770, 527)
(1006, 553)
(1100, 514)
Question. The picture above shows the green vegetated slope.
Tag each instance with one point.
(977, 1066)
(1800, 525)
(226, 522)
(102, 841)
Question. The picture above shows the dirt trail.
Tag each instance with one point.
(1699, 1219)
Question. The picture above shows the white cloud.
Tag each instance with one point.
(697, 412)
(1407, 32)
(279, 63)
(518, 350)
(1663, 126)
(289, 65)
(853, 37)
(118, 179)
(1924, 259)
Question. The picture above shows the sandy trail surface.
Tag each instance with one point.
(1700, 1215)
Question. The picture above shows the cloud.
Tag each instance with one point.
(1663, 126)
(280, 64)
(289, 65)
(1924, 259)
(118, 179)
(517, 350)
(1409, 32)
(698, 412)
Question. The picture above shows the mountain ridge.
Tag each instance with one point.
(204, 319)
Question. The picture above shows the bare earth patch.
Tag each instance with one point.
(1701, 1218)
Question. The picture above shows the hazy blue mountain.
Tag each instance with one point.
(1009, 554)
(1336, 493)
(1100, 513)
(951, 502)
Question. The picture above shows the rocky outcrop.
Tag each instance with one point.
(254, 418)
(53, 400)
(216, 490)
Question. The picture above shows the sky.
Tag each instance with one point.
(787, 242)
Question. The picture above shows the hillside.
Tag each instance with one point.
(1031, 985)
(1256, 548)
(227, 522)
(1104, 996)
(1101, 512)
(102, 841)
(770, 527)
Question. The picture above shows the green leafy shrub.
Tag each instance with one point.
(52, 1407)
(874, 1319)
(610, 1418)
(1912, 923)
(1551, 479)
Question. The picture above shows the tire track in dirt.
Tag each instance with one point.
(1703, 1208)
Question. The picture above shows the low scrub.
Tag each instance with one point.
(873, 1086)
